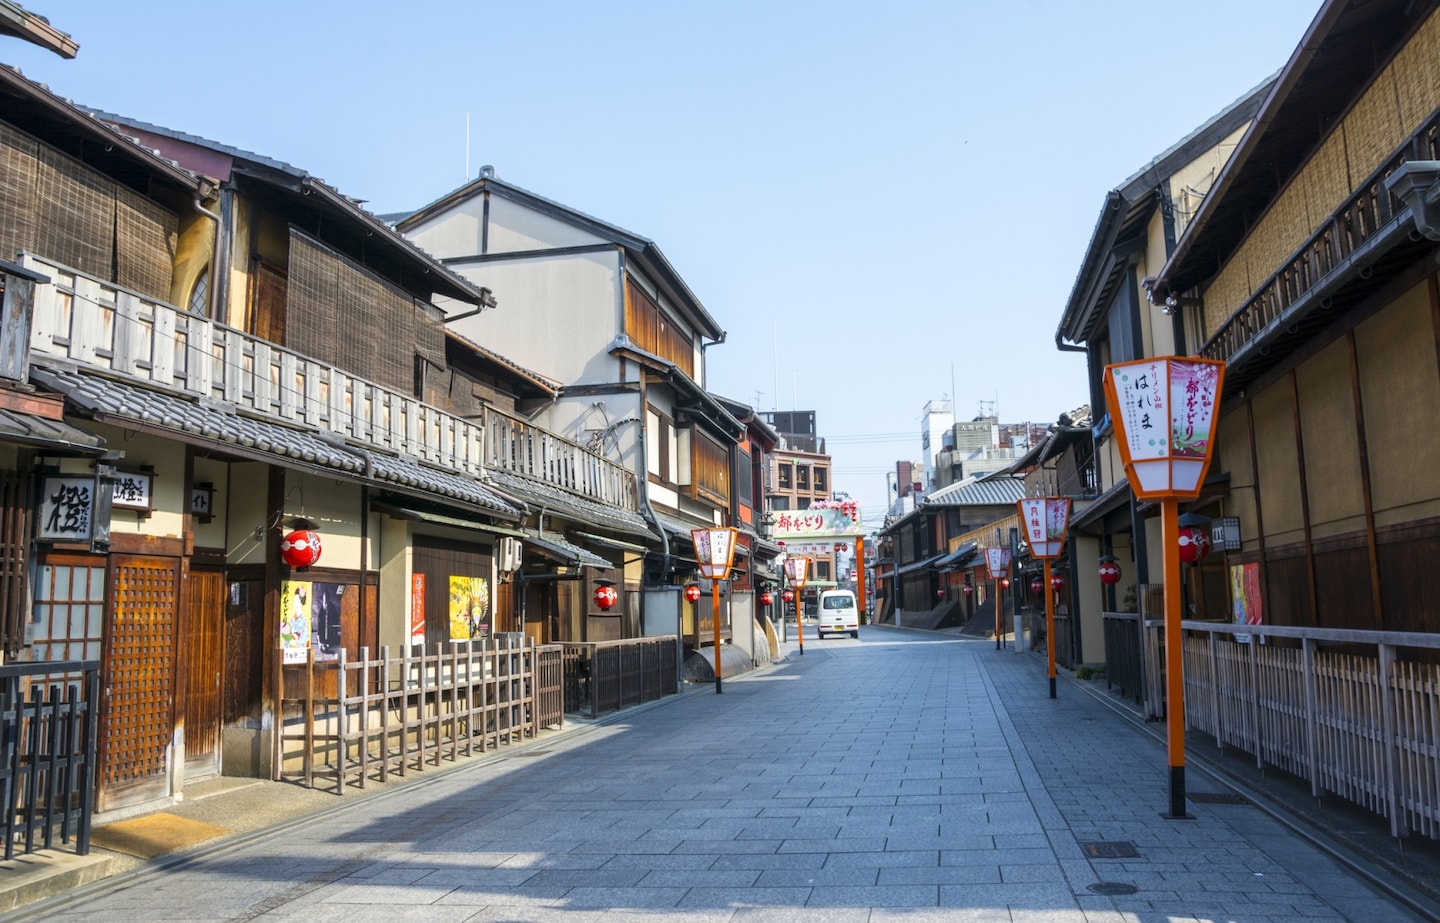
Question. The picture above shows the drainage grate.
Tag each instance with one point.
(1112, 887)
(1110, 849)
(1217, 798)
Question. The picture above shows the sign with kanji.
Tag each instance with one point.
(1164, 413)
(1044, 521)
(67, 509)
(133, 490)
(997, 562)
(816, 525)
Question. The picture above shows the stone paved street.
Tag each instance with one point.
(907, 776)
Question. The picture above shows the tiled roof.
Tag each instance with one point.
(104, 397)
(33, 430)
(556, 544)
(555, 500)
(990, 491)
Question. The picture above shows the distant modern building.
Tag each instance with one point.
(936, 437)
(800, 477)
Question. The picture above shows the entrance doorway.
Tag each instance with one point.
(202, 646)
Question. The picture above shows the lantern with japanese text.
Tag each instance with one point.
(766, 598)
(300, 548)
(692, 593)
(940, 592)
(997, 564)
(1045, 521)
(1194, 543)
(968, 589)
(1109, 570)
(606, 597)
(1057, 582)
(1037, 585)
(1163, 409)
(788, 596)
(797, 571)
(715, 553)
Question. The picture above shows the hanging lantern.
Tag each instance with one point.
(1057, 582)
(300, 548)
(1005, 583)
(968, 589)
(1194, 543)
(1109, 570)
(1037, 585)
(766, 598)
(788, 596)
(940, 592)
(606, 597)
(692, 593)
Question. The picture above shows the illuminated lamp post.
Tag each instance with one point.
(1045, 521)
(997, 563)
(797, 569)
(1164, 415)
(715, 553)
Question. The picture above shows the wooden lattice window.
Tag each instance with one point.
(709, 468)
(139, 669)
(650, 328)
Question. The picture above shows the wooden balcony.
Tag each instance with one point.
(94, 324)
(1343, 236)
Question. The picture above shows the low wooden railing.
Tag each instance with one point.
(48, 731)
(1124, 669)
(608, 675)
(1064, 641)
(1311, 701)
(397, 713)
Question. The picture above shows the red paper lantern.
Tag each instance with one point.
(692, 593)
(1109, 572)
(968, 589)
(606, 597)
(1194, 544)
(300, 548)
(940, 592)
(766, 598)
(1057, 581)
(1005, 583)
(788, 596)
(1037, 585)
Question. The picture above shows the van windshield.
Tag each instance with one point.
(839, 602)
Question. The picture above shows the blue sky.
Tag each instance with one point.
(882, 205)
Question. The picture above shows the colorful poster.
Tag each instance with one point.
(417, 609)
(294, 620)
(1245, 595)
(469, 608)
(817, 525)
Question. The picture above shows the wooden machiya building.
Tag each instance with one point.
(1311, 269)
(209, 322)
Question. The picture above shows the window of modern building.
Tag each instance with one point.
(822, 479)
(802, 477)
(783, 476)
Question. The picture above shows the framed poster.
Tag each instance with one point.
(469, 608)
(294, 620)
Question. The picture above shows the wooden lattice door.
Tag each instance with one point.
(202, 648)
(139, 680)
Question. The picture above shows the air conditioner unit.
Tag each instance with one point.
(510, 550)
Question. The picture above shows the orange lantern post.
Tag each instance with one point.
(1045, 521)
(997, 562)
(715, 553)
(1164, 410)
(797, 569)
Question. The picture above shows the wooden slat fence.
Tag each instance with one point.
(1363, 727)
(394, 714)
(1124, 668)
(608, 675)
(48, 734)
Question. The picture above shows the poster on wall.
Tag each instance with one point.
(1245, 596)
(469, 608)
(294, 620)
(325, 621)
(417, 609)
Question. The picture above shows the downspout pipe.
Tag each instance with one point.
(212, 296)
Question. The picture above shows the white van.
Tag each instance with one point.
(838, 613)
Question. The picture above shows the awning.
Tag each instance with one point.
(29, 429)
(1113, 498)
(918, 565)
(440, 519)
(554, 545)
(605, 541)
(957, 558)
(563, 504)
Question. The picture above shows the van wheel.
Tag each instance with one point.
(819, 635)
(855, 634)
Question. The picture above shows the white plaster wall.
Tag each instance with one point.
(216, 473)
(245, 512)
(557, 315)
(334, 506)
(393, 552)
(167, 519)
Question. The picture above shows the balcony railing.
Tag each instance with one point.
(1355, 223)
(514, 445)
(99, 325)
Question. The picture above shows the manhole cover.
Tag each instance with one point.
(1112, 887)
(1217, 798)
(1111, 849)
